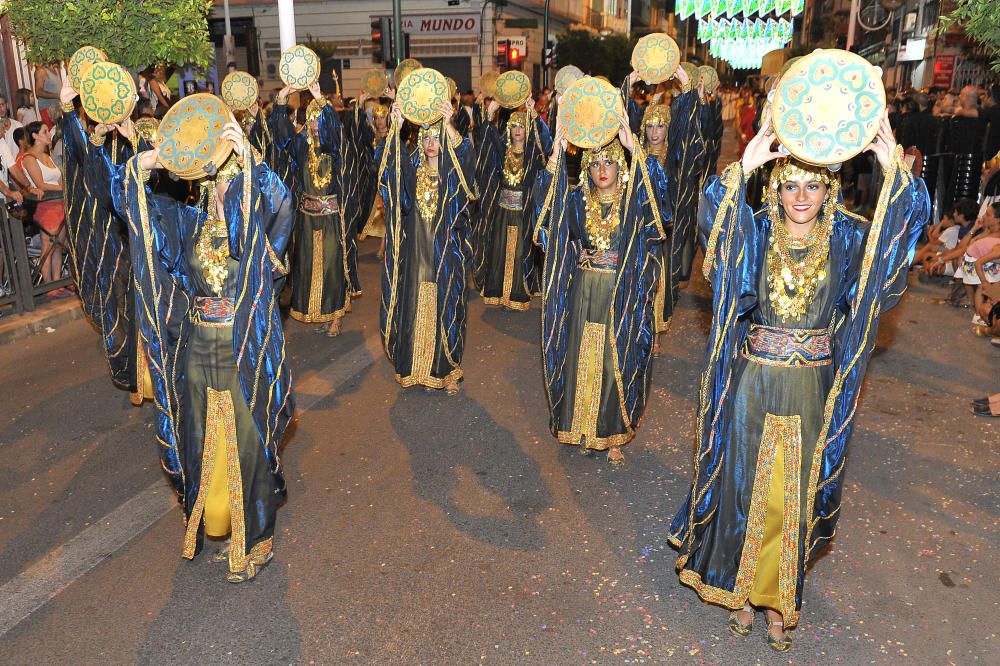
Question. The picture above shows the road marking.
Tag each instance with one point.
(61, 566)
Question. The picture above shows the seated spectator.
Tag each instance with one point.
(980, 257)
(944, 236)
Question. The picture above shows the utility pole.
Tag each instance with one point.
(228, 43)
(853, 25)
(545, 45)
(286, 24)
(398, 48)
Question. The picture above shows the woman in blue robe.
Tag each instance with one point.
(208, 313)
(317, 163)
(427, 252)
(601, 267)
(507, 263)
(797, 292)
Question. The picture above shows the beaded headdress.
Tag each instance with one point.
(314, 110)
(655, 115)
(518, 119)
(788, 169)
(380, 110)
(612, 151)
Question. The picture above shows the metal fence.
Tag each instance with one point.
(21, 261)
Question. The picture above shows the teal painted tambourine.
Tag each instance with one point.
(512, 89)
(81, 61)
(299, 67)
(589, 111)
(827, 106)
(239, 90)
(420, 93)
(567, 76)
(107, 92)
(190, 136)
(656, 57)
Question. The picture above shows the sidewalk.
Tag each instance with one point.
(48, 314)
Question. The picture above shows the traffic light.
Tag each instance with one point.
(503, 54)
(549, 54)
(382, 39)
(515, 58)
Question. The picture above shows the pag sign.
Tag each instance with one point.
(441, 24)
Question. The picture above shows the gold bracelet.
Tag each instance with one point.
(67, 107)
(551, 165)
(98, 139)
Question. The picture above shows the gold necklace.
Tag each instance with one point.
(793, 283)
(213, 256)
(600, 227)
(319, 165)
(513, 167)
(427, 192)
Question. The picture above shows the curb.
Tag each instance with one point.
(48, 315)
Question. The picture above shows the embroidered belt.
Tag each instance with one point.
(325, 205)
(787, 347)
(209, 311)
(605, 260)
(512, 199)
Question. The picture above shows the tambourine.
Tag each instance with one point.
(299, 67)
(189, 136)
(488, 83)
(403, 69)
(827, 106)
(82, 59)
(512, 89)
(656, 57)
(567, 76)
(375, 82)
(107, 92)
(239, 90)
(589, 111)
(419, 95)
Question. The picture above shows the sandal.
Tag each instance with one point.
(222, 555)
(451, 389)
(584, 449)
(736, 627)
(782, 644)
(253, 566)
(615, 456)
(333, 330)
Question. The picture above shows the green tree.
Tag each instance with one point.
(134, 33)
(981, 22)
(604, 55)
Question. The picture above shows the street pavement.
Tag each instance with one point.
(425, 529)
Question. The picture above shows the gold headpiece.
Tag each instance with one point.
(656, 115)
(791, 169)
(612, 151)
(315, 109)
(432, 131)
(230, 168)
(518, 119)
(380, 110)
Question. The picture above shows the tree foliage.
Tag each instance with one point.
(607, 55)
(134, 33)
(981, 21)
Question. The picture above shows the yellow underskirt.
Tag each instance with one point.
(764, 591)
(218, 516)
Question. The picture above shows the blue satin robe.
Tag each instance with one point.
(719, 528)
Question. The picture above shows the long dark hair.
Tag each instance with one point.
(22, 99)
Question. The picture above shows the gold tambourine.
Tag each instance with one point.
(567, 76)
(513, 88)
(827, 107)
(656, 57)
(239, 90)
(708, 77)
(589, 110)
(299, 67)
(107, 92)
(375, 82)
(84, 57)
(452, 87)
(403, 69)
(189, 136)
(419, 95)
(488, 83)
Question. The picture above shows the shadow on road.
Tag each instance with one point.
(444, 434)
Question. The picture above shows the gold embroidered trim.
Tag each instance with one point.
(98, 139)
(507, 303)
(509, 259)
(590, 364)
(67, 107)
(430, 382)
(424, 331)
(596, 443)
(316, 278)
(784, 431)
(216, 414)
(234, 478)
